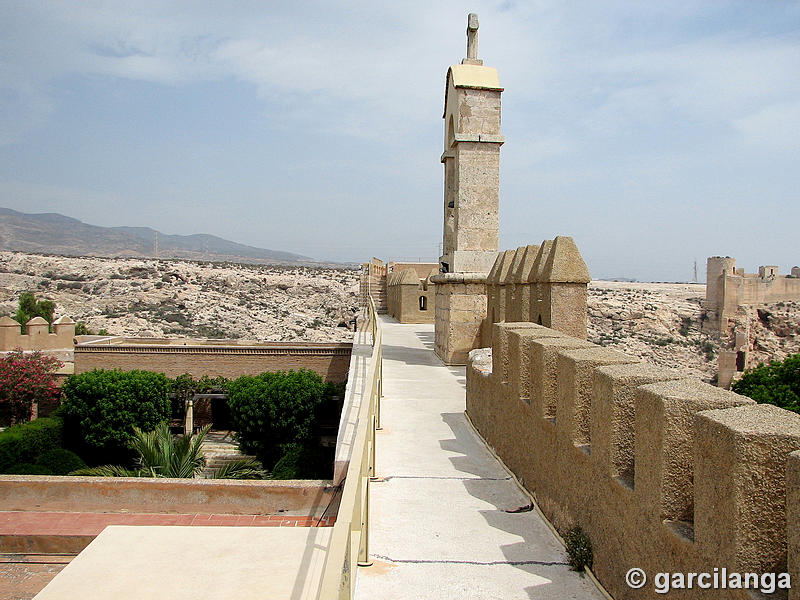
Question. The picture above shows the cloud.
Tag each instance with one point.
(606, 105)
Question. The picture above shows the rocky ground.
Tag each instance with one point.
(658, 322)
(173, 298)
(662, 324)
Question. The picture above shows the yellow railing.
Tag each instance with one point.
(349, 545)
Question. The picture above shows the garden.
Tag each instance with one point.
(122, 423)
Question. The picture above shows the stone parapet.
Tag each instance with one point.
(460, 312)
(662, 472)
(543, 284)
(37, 335)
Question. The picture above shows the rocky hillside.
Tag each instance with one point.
(53, 233)
(180, 298)
(661, 323)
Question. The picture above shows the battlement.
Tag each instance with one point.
(37, 335)
(543, 284)
(663, 472)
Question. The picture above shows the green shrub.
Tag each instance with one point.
(775, 383)
(60, 461)
(102, 408)
(304, 462)
(579, 549)
(82, 329)
(29, 469)
(30, 307)
(26, 442)
(273, 410)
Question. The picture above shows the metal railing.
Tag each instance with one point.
(349, 544)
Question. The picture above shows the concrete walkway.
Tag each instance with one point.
(447, 520)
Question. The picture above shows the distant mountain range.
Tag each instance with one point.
(52, 233)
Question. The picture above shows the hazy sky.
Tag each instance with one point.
(654, 133)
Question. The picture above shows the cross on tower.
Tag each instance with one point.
(472, 36)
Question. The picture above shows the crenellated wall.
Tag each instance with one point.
(544, 284)
(662, 472)
(37, 336)
(409, 298)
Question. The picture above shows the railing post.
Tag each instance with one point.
(372, 470)
(363, 550)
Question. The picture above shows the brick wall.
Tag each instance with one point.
(331, 361)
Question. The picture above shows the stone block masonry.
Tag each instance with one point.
(543, 284)
(663, 472)
(460, 312)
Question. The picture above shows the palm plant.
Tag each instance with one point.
(163, 455)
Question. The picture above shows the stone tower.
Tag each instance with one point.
(471, 161)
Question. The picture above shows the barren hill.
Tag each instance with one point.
(53, 233)
(176, 298)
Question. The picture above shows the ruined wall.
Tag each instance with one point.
(544, 284)
(331, 361)
(729, 292)
(727, 288)
(37, 336)
(662, 472)
(409, 298)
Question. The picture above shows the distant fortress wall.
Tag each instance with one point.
(728, 288)
(213, 358)
(662, 472)
(729, 293)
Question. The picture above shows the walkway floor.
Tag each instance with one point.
(447, 521)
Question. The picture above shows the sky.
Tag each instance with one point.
(656, 134)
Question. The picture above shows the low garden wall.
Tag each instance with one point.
(38, 493)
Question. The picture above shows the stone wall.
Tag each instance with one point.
(331, 361)
(409, 298)
(37, 336)
(460, 312)
(544, 284)
(662, 472)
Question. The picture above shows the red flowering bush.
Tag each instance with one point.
(26, 379)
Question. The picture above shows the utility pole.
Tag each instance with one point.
(695, 271)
